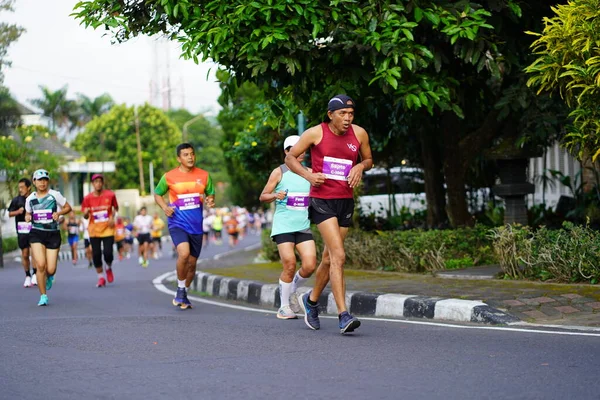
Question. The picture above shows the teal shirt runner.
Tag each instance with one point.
(41, 209)
(291, 213)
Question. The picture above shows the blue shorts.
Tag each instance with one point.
(178, 236)
(73, 239)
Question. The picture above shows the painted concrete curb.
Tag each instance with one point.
(361, 303)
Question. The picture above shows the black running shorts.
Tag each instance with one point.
(293, 237)
(50, 239)
(23, 240)
(321, 210)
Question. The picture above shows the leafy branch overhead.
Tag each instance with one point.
(308, 45)
(568, 63)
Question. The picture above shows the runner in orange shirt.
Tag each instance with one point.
(100, 207)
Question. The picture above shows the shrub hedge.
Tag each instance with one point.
(570, 254)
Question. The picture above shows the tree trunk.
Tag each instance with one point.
(434, 181)
(455, 166)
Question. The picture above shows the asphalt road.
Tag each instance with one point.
(127, 341)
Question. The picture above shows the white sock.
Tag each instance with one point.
(100, 275)
(285, 289)
(297, 281)
(187, 289)
(181, 284)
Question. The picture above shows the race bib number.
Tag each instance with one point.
(297, 201)
(336, 168)
(42, 216)
(101, 216)
(188, 201)
(73, 230)
(23, 227)
(120, 232)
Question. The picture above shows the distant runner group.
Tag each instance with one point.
(321, 195)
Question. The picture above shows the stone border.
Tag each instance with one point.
(361, 303)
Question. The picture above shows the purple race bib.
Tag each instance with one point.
(100, 216)
(187, 201)
(297, 201)
(42, 216)
(336, 168)
(23, 227)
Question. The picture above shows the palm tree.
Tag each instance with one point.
(54, 105)
(91, 108)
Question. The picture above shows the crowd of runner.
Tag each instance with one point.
(321, 195)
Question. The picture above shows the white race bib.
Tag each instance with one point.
(188, 201)
(23, 227)
(42, 217)
(336, 168)
(100, 216)
(297, 201)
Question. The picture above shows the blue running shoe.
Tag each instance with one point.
(49, 282)
(348, 323)
(178, 300)
(43, 300)
(185, 303)
(311, 313)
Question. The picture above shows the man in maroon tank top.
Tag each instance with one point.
(335, 147)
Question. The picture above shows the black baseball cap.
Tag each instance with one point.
(340, 101)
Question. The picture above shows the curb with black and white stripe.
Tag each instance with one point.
(66, 255)
(361, 303)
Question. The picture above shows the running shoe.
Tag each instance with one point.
(311, 313)
(348, 323)
(109, 275)
(90, 265)
(27, 282)
(120, 257)
(185, 304)
(141, 260)
(43, 300)
(101, 282)
(294, 304)
(145, 264)
(286, 312)
(178, 300)
(49, 282)
(33, 280)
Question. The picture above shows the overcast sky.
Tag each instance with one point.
(56, 51)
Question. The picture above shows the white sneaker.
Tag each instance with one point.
(294, 305)
(286, 312)
(27, 282)
(33, 280)
(141, 260)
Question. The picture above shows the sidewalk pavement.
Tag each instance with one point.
(473, 295)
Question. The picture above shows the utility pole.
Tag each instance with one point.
(139, 151)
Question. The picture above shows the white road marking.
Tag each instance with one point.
(157, 282)
(249, 248)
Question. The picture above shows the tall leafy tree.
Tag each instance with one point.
(20, 155)
(89, 108)
(9, 33)
(112, 136)
(567, 63)
(455, 61)
(55, 105)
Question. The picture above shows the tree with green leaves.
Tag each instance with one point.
(89, 108)
(568, 64)
(9, 33)
(55, 105)
(458, 63)
(20, 155)
(112, 136)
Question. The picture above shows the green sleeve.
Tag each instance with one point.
(209, 190)
(162, 188)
